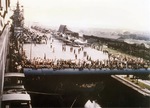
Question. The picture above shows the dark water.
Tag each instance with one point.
(66, 91)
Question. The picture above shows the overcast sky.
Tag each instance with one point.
(122, 14)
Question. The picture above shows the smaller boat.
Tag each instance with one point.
(14, 94)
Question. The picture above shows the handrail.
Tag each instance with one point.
(46, 71)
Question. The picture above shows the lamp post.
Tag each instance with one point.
(31, 51)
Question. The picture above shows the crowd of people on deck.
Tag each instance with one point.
(33, 37)
(15, 58)
(113, 62)
(40, 29)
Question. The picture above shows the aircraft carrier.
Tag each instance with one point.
(47, 68)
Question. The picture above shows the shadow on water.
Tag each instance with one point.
(67, 91)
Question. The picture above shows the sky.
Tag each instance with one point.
(112, 14)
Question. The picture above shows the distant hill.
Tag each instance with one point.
(117, 34)
(135, 36)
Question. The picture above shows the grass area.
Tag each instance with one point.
(135, 81)
(118, 52)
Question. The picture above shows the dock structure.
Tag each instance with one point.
(144, 92)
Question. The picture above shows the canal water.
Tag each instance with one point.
(67, 91)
